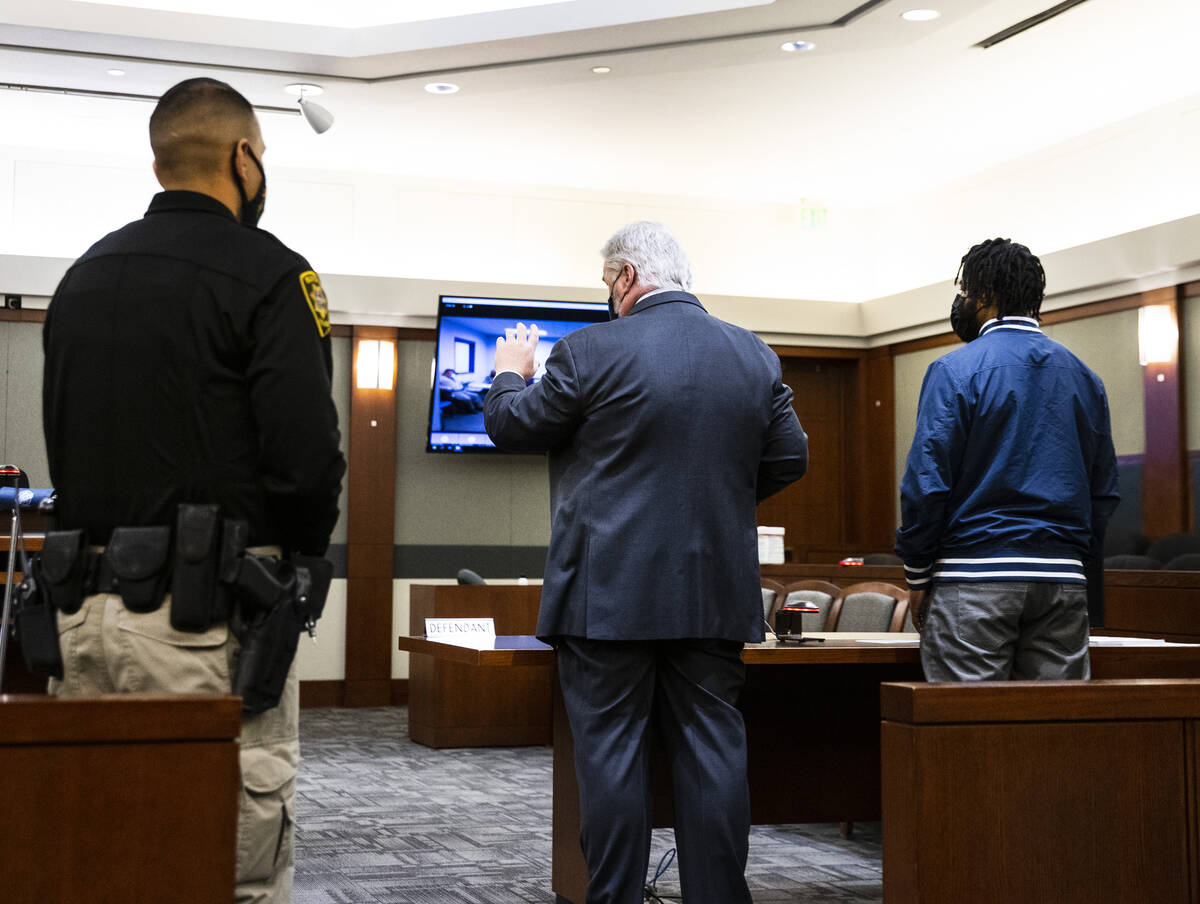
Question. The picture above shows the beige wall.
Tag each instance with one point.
(21, 441)
(909, 372)
(460, 499)
(1109, 346)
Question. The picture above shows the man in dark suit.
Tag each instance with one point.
(665, 427)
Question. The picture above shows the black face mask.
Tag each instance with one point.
(613, 304)
(964, 319)
(252, 208)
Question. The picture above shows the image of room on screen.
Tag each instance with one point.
(464, 366)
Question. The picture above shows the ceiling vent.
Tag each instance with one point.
(1025, 24)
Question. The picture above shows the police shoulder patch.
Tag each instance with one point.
(310, 284)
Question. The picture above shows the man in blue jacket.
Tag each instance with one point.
(1010, 482)
(665, 427)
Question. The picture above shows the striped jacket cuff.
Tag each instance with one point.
(918, 576)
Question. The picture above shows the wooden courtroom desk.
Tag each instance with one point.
(1071, 792)
(129, 798)
(815, 706)
(451, 704)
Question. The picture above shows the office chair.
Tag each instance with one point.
(870, 606)
(821, 594)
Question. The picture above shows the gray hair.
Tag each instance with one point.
(653, 251)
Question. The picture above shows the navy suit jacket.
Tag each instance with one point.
(664, 429)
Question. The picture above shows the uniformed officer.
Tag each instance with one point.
(188, 360)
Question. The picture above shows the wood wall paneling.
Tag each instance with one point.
(370, 527)
(873, 482)
(1092, 309)
(843, 505)
(1166, 483)
(810, 510)
(369, 631)
(317, 694)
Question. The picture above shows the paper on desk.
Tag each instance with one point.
(911, 640)
(471, 642)
(472, 633)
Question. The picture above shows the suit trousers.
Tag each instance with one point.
(1006, 631)
(107, 649)
(616, 693)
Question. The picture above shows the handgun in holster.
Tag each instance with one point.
(278, 599)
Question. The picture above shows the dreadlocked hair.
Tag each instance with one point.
(1004, 272)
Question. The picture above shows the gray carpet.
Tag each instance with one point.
(382, 820)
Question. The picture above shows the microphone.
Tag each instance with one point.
(788, 621)
(467, 576)
(12, 476)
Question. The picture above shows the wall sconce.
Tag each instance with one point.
(1158, 334)
(375, 364)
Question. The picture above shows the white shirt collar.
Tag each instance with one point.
(1028, 324)
(652, 292)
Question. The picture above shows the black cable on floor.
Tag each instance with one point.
(651, 890)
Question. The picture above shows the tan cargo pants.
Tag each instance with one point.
(107, 649)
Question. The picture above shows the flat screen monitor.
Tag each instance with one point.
(464, 358)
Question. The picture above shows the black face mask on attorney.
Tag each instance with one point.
(252, 208)
(614, 310)
(964, 319)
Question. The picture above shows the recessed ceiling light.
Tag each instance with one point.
(441, 88)
(303, 89)
(794, 46)
(919, 15)
(116, 71)
(602, 70)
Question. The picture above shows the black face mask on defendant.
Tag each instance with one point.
(964, 319)
(252, 208)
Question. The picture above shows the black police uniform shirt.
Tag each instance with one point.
(188, 360)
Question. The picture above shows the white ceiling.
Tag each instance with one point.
(882, 110)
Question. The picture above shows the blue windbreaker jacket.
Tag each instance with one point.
(1012, 472)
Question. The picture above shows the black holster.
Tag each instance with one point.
(62, 570)
(279, 599)
(140, 560)
(206, 550)
(272, 626)
(37, 626)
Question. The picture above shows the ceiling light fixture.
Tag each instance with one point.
(602, 70)
(920, 15)
(314, 114)
(115, 72)
(797, 46)
(441, 88)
